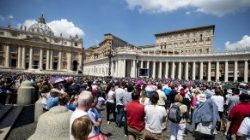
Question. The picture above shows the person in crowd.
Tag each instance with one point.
(53, 99)
(194, 102)
(154, 116)
(237, 114)
(244, 130)
(144, 100)
(135, 117)
(219, 101)
(177, 128)
(233, 100)
(81, 127)
(204, 118)
(95, 118)
(119, 96)
(110, 103)
(161, 102)
(85, 101)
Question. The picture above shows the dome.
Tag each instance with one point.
(41, 27)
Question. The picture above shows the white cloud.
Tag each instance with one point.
(63, 26)
(242, 45)
(10, 17)
(213, 7)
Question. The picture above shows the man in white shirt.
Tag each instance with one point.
(85, 101)
(119, 96)
(244, 130)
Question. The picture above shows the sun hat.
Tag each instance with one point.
(201, 97)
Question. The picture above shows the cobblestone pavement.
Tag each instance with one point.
(22, 132)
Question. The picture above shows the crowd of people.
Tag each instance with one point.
(143, 108)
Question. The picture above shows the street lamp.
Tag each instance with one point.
(110, 55)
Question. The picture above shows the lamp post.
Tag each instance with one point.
(110, 55)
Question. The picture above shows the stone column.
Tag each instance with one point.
(51, 59)
(217, 71)
(47, 60)
(19, 54)
(209, 71)
(153, 74)
(133, 69)
(226, 71)
(116, 68)
(31, 58)
(246, 71)
(166, 69)
(124, 68)
(7, 56)
(179, 70)
(142, 64)
(186, 71)
(193, 71)
(235, 70)
(201, 71)
(41, 59)
(149, 71)
(160, 70)
(147, 64)
(23, 57)
(173, 70)
(59, 61)
(112, 68)
(69, 61)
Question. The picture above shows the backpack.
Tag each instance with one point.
(174, 114)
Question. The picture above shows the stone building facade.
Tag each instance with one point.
(190, 59)
(37, 49)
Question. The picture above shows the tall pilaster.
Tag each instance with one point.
(235, 70)
(23, 57)
(193, 71)
(217, 71)
(80, 61)
(41, 59)
(59, 61)
(51, 59)
(173, 70)
(186, 71)
(31, 58)
(226, 71)
(7, 56)
(47, 60)
(160, 70)
(179, 70)
(201, 71)
(153, 74)
(246, 71)
(19, 57)
(166, 70)
(69, 57)
(209, 71)
(116, 68)
(133, 69)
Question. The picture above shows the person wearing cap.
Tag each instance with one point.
(233, 100)
(205, 116)
(237, 114)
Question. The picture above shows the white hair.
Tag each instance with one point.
(85, 98)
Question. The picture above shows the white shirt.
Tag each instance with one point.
(146, 101)
(76, 114)
(245, 128)
(119, 92)
(162, 97)
(110, 96)
(219, 101)
(154, 117)
(127, 97)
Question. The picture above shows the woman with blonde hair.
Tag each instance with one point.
(81, 128)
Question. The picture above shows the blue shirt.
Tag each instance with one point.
(51, 102)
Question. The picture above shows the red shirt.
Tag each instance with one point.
(135, 115)
(237, 114)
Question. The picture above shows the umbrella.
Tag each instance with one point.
(166, 89)
(150, 89)
(228, 86)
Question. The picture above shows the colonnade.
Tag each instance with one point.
(22, 52)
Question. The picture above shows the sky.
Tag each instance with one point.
(135, 21)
